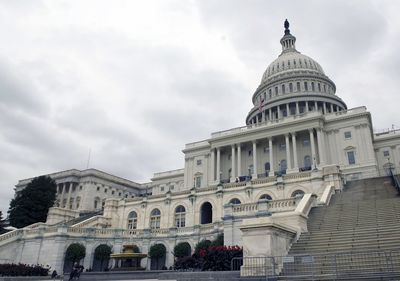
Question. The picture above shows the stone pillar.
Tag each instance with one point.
(271, 158)
(69, 195)
(213, 164)
(313, 156)
(306, 109)
(279, 111)
(295, 162)
(270, 114)
(254, 176)
(321, 146)
(331, 107)
(324, 104)
(263, 116)
(218, 171)
(233, 166)
(287, 109)
(239, 162)
(62, 195)
(316, 105)
(288, 158)
(297, 108)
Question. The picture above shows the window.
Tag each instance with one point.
(305, 86)
(266, 149)
(291, 87)
(276, 91)
(267, 166)
(132, 220)
(298, 86)
(319, 87)
(351, 157)
(282, 146)
(162, 188)
(98, 188)
(312, 86)
(324, 88)
(105, 190)
(306, 142)
(283, 89)
(155, 218)
(250, 152)
(298, 193)
(265, 197)
(307, 162)
(386, 153)
(80, 187)
(113, 192)
(126, 195)
(119, 194)
(180, 214)
(270, 93)
(347, 135)
(198, 181)
(198, 162)
(283, 165)
(235, 201)
(171, 187)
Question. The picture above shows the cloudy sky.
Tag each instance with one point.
(133, 81)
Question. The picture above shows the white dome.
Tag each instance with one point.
(291, 61)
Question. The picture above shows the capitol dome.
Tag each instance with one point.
(293, 84)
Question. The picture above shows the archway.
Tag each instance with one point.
(206, 213)
(101, 257)
(75, 252)
(157, 254)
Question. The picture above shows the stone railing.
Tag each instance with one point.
(11, 236)
(93, 222)
(263, 206)
(298, 176)
(263, 180)
(234, 184)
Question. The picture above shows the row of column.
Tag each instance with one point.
(236, 165)
(277, 113)
(64, 193)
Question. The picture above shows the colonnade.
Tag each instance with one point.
(291, 147)
(65, 194)
(293, 108)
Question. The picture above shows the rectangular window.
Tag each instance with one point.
(386, 153)
(290, 87)
(351, 157)
(162, 188)
(347, 135)
(282, 146)
(319, 87)
(283, 89)
(298, 87)
(198, 181)
(276, 91)
(113, 192)
(306, 142)
(198, 162)
(305, 86)
(266, 149)
(312, 86)
(270, 93)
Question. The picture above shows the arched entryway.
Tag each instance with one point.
(206, 213)
(75, 253)
(101, 257)
(157, 254)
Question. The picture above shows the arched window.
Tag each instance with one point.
(180, 213)
(298, 193)
(96, 203)
(305, 86)
(132, 220)
(291, 87)
(298, 87)
(235, 201)
(155, 218)
(312, 86)
(307, 161)
(265, 197)
(206, 213)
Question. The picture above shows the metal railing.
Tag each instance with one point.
(368, 265)
(395, 180)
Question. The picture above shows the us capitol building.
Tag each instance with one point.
(255, 184)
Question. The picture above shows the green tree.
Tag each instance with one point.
(219, 241)
(102, 253)
(182, 249)
(202, 245)
(2, 224)
(75, 252)
(32, 204)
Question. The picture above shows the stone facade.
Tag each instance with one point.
(256, 183)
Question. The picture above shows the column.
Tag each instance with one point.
(295, 163)
(239, 167)
(279, 111)
(331, 107)
(69, 195)
(62, 195)
(218, 171)
(254, 160)
(233, 166)
(316, 105)
(324, 104)
(287, 109)
(263, 116)
(297, 108)
(321, 146)
(288, 158)
(313, 156)
(271, 158)
(213, 164)
(270, 114)
(306, 109)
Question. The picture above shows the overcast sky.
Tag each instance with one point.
(133, 81)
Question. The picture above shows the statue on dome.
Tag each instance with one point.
(286, 25)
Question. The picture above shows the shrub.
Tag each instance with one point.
(157, 251)
(11, 269)
(75, 252)
(182, 249)
(202, 245)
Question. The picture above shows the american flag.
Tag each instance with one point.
(261, 104)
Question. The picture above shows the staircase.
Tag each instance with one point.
(82, 217)
(358, 231)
